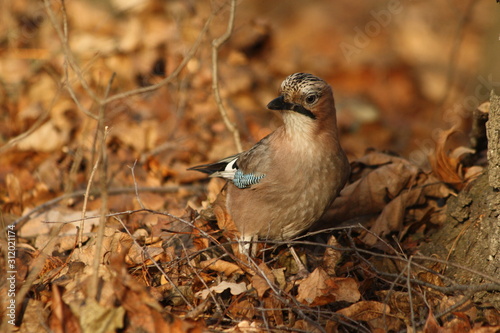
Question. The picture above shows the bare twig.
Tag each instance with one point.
(104, 131)
(67, 51)
(93, 288)
(113, 191)
(103, 179)
(137, 197)
(216, 43)
(410, 298)
(70, 60)
(65, 43)
(85, 201)
(173, 75)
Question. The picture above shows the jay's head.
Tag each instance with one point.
(305, 95)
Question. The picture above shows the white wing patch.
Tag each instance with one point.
(229, 170)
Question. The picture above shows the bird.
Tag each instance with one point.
(282, 185)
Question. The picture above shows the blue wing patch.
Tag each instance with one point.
(242, 180)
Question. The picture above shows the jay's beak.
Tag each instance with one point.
(280, 104)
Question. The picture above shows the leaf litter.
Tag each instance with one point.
(169, 260)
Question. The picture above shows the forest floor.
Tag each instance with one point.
(105, 105)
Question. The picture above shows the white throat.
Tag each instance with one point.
(299, 126)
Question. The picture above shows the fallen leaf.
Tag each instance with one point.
(261, 283)
(306, 326)
(235, 289)
(138, 255)
(242, 309)
(320, 289)
(447, 166)
(332, 256)
(383, 177)
(431, 324)
(61, 318)
(365, 310)
(218, 265)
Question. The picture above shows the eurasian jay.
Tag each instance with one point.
(286, 181)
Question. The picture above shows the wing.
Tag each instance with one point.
(243, 169)
(225, 168)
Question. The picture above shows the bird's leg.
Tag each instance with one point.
(244, 245)
(303, 272)
(254, 245)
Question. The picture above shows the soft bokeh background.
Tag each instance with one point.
(401, 70)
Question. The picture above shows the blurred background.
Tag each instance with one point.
(110, 94)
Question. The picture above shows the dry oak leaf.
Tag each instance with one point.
(234, 288)
(365, 310)
(447, 166)
(371, 193)
(218, 265)
(242, 309)
(332, 256)
(61, 318)
(138, 255)
(387, 185)
(224, 220)
(320, 289)
(260, 283)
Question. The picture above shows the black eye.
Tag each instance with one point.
(311, 99)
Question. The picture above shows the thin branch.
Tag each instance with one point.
(173, 75)
(67, 51)
(137, 197)
(85, 201)
(103, 130)
(67, 83)
(216, 43)
(113, 191)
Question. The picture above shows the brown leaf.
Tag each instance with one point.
(242, 309)
(260, 283)
(94, 316)
(218, 265)
(234, 288)
(392, 215)
(365, 310)
(447, 166)
(431, 325)
(139, 255)
(371, 193)
(306, 326)
(62, 319)
(224, 220)
(34, 319)
(332, 256)
(320, 289)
